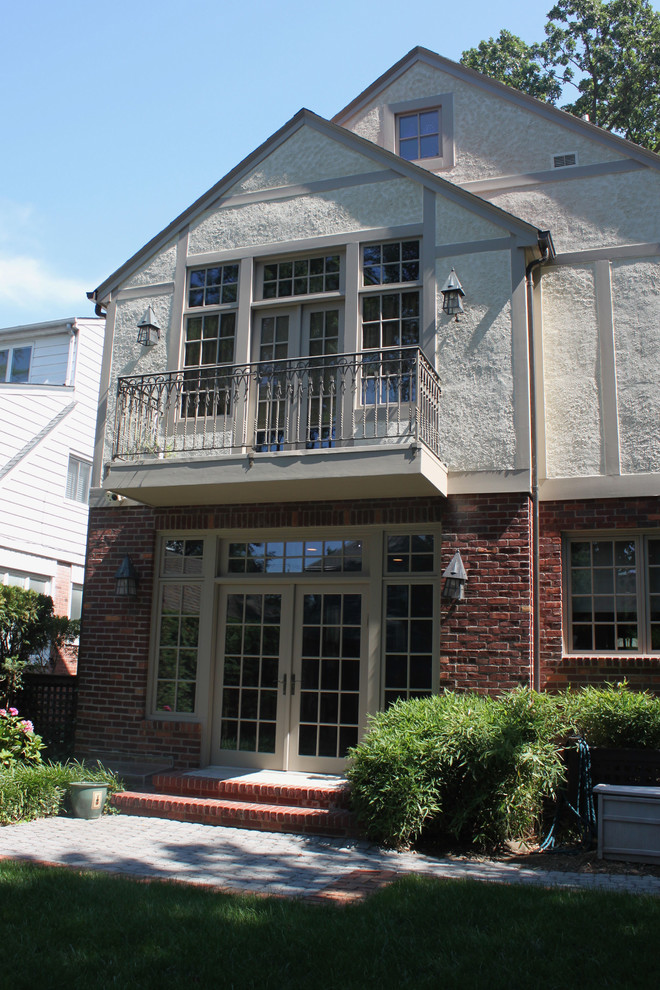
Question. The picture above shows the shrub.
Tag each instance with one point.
(29, 633)
(614, 716)
(466, 767)
(18, 740)
(36, 791)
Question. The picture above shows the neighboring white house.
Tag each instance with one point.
(310, 435)
(49, 386)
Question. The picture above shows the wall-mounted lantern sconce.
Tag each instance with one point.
(148, 329)
(126, 579)
(452, 291)
(455, 578)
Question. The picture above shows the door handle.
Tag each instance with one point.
(284, 685)
(293, 684)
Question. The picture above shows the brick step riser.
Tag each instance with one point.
(255, 816)
(290, 796)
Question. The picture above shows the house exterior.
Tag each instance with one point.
(297, 459)
(49, 386)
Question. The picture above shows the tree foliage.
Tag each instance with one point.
(29, 633)
(606, 51)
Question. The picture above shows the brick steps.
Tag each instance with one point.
(244, 802)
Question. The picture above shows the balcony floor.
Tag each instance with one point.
(383, 471)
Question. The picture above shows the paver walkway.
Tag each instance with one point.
(261, 862)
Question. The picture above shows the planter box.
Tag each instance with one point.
(628, 823)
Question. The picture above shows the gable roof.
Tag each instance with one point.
(475, 78)
(306, 118)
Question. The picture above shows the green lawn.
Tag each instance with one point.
(62, 929)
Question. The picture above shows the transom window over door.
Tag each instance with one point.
(301, 276)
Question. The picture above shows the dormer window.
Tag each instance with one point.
(419, 135)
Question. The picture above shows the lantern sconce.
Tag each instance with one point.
(455, 578)
(452, 291)
(148, 329)
(126, 579)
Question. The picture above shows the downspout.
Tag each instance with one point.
(547, 251)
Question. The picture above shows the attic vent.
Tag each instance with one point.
(561, 161)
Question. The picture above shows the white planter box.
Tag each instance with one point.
(628, 822)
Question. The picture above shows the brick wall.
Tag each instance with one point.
(64, 660)
(559, 671)
(485, 639)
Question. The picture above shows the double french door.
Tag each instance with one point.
(289, 677)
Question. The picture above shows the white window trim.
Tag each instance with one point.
(10, 348)
(444, 102)
(79, 461)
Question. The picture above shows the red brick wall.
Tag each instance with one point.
(559, 671)
(64, 660)
(486, 639)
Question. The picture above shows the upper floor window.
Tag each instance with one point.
(213, 286)
(77, 479)
(15, 364)
(419, 135)
(301, 276)
(390, 263)
(390, 320)
(613, 594)
(210, 339)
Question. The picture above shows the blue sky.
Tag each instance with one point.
(116, 116)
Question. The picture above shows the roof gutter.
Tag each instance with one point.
(547, 252)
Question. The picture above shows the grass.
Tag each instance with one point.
(66, 929)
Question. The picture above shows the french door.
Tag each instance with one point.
(290, 678)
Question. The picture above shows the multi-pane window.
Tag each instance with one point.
(330, 674)
(251, 673)
(295, 557)
(390, 263)
(209, 344)
(410, 553)
(179, 619)
(613, 594)
(77, 479)
(419, 135)
(390, 320)
(301, 276)
(29, 582)
(408, 641)
(210, 339)
(213, 286)
(15, 364)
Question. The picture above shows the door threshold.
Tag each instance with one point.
(276, 777)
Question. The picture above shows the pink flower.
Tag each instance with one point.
(13, 711)
(26, 726)
(3, 711)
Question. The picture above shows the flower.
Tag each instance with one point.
(3, 711)
(13, 711)
(27, 726)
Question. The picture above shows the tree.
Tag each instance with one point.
(512, 61)
(607, 50)
(29, 634)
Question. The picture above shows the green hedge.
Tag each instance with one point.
(476, 769)
(30, 791)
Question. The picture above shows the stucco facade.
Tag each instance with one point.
(313, 436)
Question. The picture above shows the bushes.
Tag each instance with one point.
(614, 716)
(35, 791)
(18, 740)
(477, 769)
(465, 767)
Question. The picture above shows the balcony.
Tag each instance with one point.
(348, 426)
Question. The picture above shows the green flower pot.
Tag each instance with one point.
(87, 798)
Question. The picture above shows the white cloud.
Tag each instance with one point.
(27, 283)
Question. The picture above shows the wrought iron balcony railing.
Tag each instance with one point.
(343, 400)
